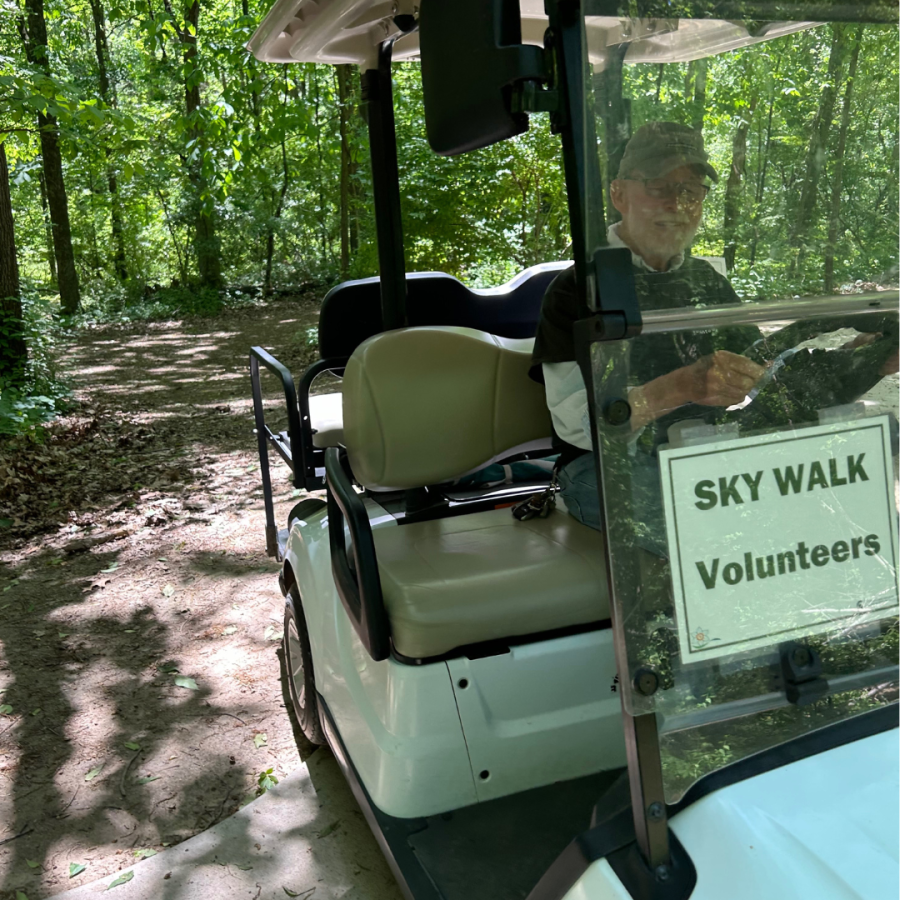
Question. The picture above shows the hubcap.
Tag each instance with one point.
(296, 664)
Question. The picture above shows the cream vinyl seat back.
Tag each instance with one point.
(423, 406)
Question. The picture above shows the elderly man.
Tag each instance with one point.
(659, 192)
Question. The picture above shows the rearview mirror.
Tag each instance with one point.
(472, 60)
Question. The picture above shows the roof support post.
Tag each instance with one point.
(379, 98)
(584, 188)
(575, 124)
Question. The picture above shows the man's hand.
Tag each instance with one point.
(720, 379)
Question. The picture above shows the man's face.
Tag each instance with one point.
(658, 228)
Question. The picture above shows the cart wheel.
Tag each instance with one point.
(298, 662)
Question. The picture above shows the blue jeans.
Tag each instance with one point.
(578, 489)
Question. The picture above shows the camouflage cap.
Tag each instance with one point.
(658, 147)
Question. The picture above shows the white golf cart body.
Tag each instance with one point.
(819, 825)
(465, 660)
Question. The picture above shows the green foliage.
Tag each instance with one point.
(259, 128)
(777, 89)
(37, 394)
(483, 216)
(261, 156)
(136, 302)
(265, 781)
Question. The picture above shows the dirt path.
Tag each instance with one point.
(133, 558)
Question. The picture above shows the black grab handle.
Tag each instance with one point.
(358, 585)
(286, 443)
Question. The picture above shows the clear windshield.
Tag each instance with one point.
(749, 458)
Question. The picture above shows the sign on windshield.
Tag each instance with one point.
(780, 536)
(740, 535)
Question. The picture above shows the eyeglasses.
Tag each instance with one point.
(660, 188)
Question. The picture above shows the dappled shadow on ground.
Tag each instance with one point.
(154, 571)
(157, 412)
(101, 745)
(194, 376)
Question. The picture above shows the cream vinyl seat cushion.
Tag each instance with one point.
(327, 418)
(465, 579)
(425, 405)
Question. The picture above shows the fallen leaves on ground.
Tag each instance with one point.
(124, 878)
(81, 459)
(122, 498)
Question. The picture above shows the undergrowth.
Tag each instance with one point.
(38, 393)
(105, 304)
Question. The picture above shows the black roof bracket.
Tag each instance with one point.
(532, 96)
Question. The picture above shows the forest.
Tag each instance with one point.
(151, 167)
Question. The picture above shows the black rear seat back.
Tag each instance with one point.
(351, 312)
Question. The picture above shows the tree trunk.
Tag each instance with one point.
(270, 238)
(344, 79)
(13, 352)
(57, 201)
(734, 187)
(762, 155)
(355, 191)
(357, 201)
(206, 241)
(838, 174)
(48, 229)
(818, 144)
(182, 265)
(35, 40)
(323, 235)
(101, 48)
(616, 114)
(695, 91)
(659, 82)
(118, 230)
(251, 70)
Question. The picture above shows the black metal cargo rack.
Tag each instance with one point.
(295, 445)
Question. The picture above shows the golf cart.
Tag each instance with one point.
(700, 701)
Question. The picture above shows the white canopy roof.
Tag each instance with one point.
(350, 31)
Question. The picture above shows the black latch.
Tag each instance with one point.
(801, 674)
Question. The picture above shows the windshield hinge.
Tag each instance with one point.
(532, 96)
(611, 290)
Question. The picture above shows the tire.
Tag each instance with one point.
(299, 666)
